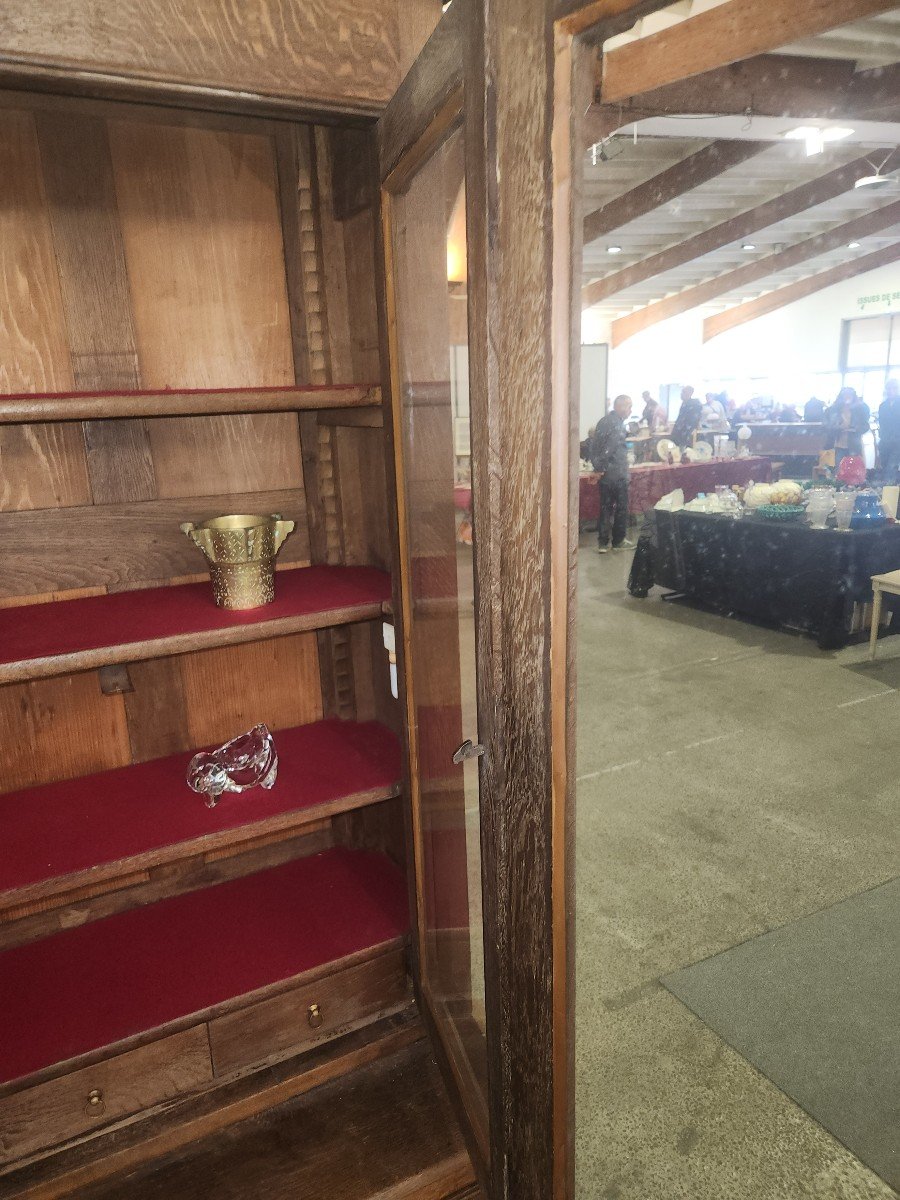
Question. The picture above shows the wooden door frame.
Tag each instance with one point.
(525, 70)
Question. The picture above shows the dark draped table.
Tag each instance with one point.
(781, 572)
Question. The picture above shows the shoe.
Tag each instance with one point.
(603, 549)
(624, 545)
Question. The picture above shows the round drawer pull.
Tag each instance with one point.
(96, 1105)
(314, 1016)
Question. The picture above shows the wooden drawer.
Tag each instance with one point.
(53, 1112)
(289, 1021)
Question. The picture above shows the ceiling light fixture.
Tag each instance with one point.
(748, 246)
(853, 245)
(816, 137)
(613, 249)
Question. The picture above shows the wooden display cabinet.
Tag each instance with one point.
(225, 290)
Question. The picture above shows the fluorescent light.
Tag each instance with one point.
(748, 246)
(816, 137)
(853, 245)
(613, 249)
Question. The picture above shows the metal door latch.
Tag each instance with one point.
(468, 749)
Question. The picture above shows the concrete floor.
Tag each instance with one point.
(732, 778)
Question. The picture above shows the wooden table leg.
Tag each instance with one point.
(876, 620)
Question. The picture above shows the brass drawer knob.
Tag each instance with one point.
(314, 1016)
(96, 1105)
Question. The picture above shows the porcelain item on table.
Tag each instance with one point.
(240, 550)
(844, 503)
(247, 761)
(703, 451)
(867, 512)
(666, 449)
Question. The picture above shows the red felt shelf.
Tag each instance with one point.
(38, 640)
(91, 987)
(63, 836)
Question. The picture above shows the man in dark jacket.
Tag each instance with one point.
(889, 432)
(609, 456)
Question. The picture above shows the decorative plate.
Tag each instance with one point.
(703, 451)
(780, 512)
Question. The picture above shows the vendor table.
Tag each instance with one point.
(651, 482)
(784, 572)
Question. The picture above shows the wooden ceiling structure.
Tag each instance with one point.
(692, 182)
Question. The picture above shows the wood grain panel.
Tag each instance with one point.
(33, 353)
(59, 729)
(227, 690)
(43, 466)
(205, 259)
(125, 545)
(245, 452)
(58, 1110)
(320, 53)
(94, 283)
(156, 709)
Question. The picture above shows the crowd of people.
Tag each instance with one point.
(847, 420)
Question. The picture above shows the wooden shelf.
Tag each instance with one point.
(83, 836)
(121, 982)
(94, 406)
(40, 640)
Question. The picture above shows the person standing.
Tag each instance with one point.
(609, 456)
(653, 414)
(889, 431)
(814, 409)
(688, 419)
(846, 421)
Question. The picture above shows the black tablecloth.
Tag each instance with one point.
(784, 572)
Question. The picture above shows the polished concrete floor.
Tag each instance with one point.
(732, 779)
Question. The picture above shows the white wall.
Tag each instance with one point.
(790, 344)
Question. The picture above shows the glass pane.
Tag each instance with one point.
(895, 342)
(429, 248)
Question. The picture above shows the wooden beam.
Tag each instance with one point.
(769, 85)
(860, 227)
(697, 168)
(772, 301)
(788, 204)
(735, 30)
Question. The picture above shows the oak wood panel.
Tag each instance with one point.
(94, 283)
(199, 213)
(126, 545)
(43, 466)
(772, 301)
(230, 689)
(59, 729)
(282, 1024)
(197, 456)
(733, 30)
(690, 172)
(55, 1111)
(779, 208)
(322, 53)
(156, 708)
(183, 1122)
(384, 1132)
(33, 351)
(840, 235)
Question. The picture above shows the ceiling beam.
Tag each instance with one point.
(788, 204)
(863, 226)
(734, 30)
(772, 301)
(690, 172)
(769, 85)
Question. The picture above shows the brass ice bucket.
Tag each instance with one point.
(240, 550)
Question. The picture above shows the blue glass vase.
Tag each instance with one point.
(867, 512)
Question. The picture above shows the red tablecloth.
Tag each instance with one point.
(650, 483)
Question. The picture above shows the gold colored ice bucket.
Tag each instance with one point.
(240, 550)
